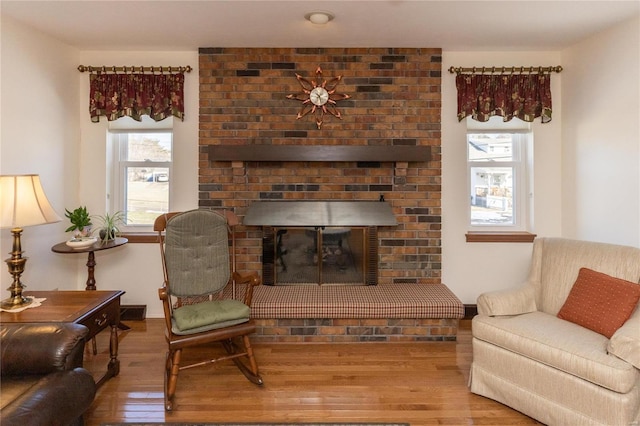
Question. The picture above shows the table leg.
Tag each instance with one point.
(114, 363)
(91, 285)
(91, 266)
(113, 369)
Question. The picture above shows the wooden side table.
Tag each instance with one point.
(96, 310)
(91, 261)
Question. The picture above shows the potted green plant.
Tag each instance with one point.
(80, 221)
(110, 224)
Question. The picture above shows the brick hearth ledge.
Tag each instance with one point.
(335, 313)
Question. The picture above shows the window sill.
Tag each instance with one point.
(499, 237)
(140, 237)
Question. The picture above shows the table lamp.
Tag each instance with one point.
(22, 203)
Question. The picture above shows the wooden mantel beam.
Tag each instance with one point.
(263, 152)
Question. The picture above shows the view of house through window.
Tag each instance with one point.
(496, 172)
(143, 175)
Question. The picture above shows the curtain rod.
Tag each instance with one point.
(512, 70)
(83, 68)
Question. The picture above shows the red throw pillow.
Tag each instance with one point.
(600, 302)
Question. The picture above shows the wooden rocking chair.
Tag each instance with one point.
(199, 307)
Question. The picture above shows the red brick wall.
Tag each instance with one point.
(395, 100)
(351, 330)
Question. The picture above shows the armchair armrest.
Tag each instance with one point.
(163, 294)
(57, 398)
(508, 302)
(250, 279)
(34, 348)
(625, 342)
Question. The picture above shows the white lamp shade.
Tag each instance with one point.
(23, 202)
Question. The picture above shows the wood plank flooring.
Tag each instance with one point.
(416, 383)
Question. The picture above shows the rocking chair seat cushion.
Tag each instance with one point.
(209, 315)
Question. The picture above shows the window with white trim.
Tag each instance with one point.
(498, 181)
(140, 184)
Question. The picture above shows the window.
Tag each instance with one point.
(141, 175)
(498, 182)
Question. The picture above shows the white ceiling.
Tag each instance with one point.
(475, 25)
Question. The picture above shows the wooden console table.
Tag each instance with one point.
(96, 310)
(91, 261)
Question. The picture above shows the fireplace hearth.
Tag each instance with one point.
(319, 242)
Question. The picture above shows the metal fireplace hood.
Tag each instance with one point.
(319, 213)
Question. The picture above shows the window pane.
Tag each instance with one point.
(147, 194)
(148, 147)
(492, 196)
(490, 147)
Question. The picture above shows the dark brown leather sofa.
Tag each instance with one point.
(42, 380)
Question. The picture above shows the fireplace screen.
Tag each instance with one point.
(319, 242)
(318, 255)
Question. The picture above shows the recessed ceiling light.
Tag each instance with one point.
(319, 17)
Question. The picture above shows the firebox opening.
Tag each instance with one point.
(319, 255)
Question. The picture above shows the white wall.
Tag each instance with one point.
(601, 137)
(46, 129)
(40, 134)
(469, 269)
(136, 268)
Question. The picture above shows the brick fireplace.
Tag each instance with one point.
(394, 105)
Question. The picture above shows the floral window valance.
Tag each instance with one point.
(133, 95)
(524, 96)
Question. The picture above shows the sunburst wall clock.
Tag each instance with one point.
(318, 97)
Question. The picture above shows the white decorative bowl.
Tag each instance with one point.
(81, 242)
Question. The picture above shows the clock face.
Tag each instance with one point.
(319, 96)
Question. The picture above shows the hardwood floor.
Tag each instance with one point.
(416, 383)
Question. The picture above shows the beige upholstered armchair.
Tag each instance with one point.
(565, 347)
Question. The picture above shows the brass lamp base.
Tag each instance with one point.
(16, 302)
(16, 265)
